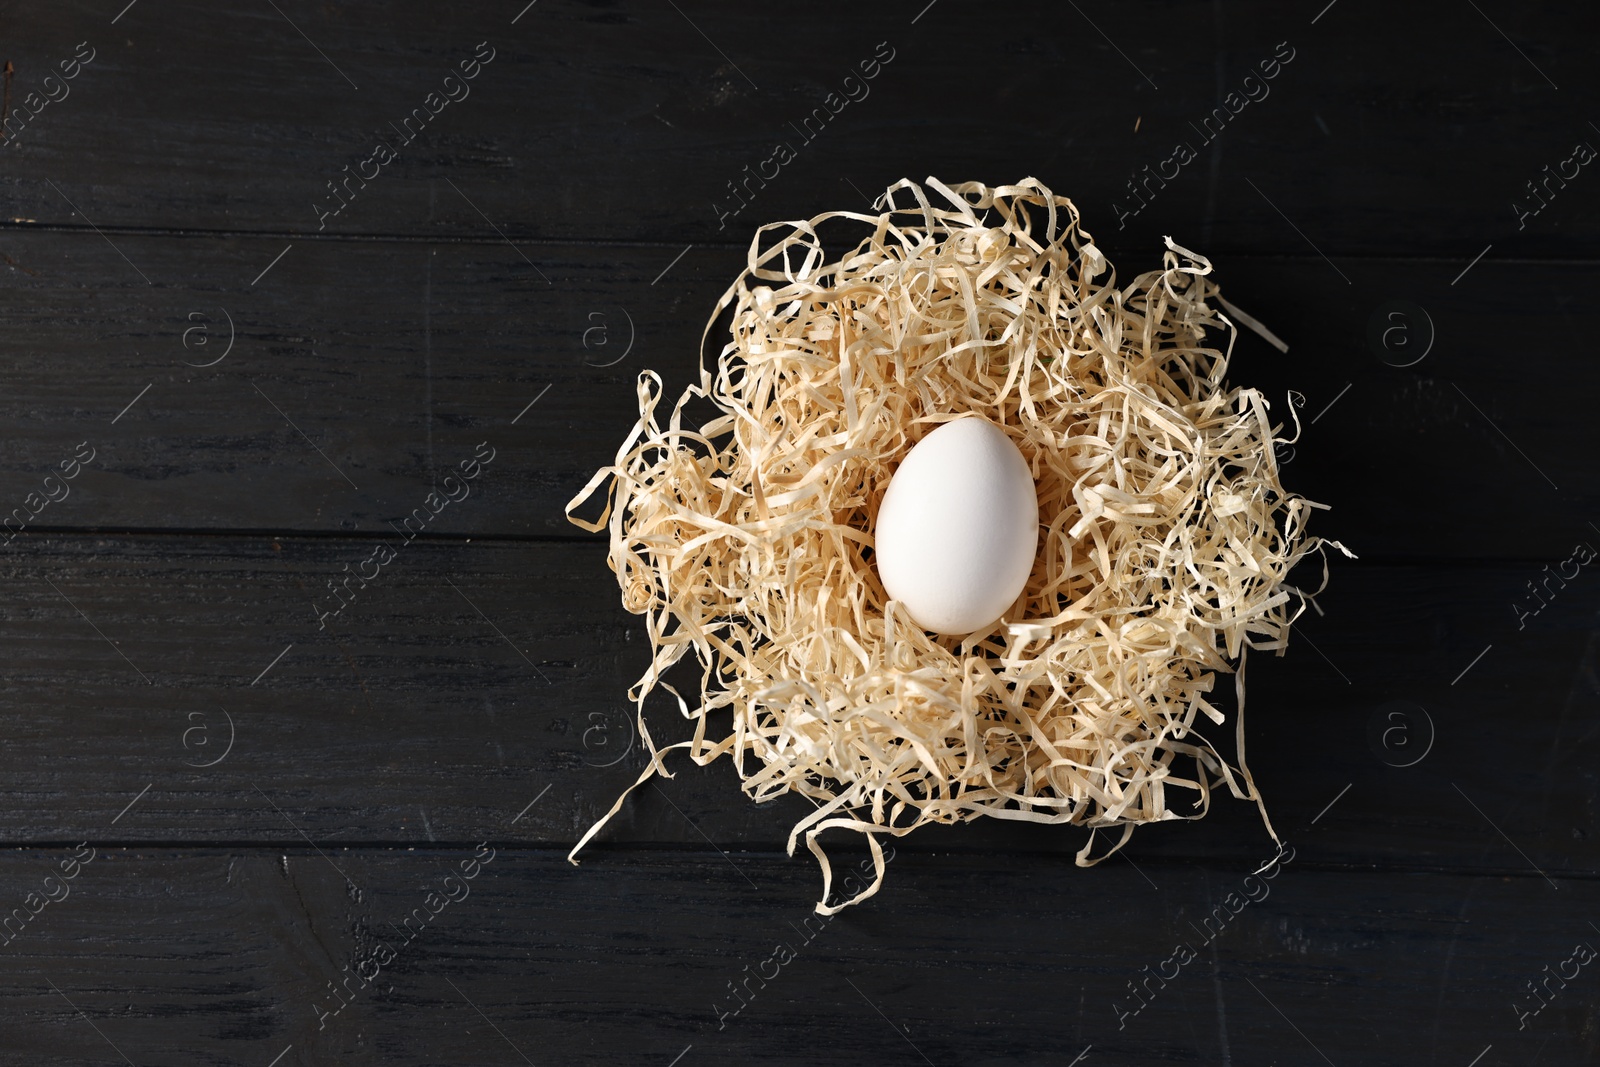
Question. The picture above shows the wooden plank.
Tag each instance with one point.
(638, 122)
(361, 372)
(216, 956)
(470, 679)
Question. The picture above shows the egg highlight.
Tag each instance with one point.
(958, 527)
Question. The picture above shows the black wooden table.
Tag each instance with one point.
(243, 341)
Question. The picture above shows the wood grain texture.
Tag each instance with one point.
(1416, 133)
(174, 956)
(361, 372)
(471, 678)
(273, 789)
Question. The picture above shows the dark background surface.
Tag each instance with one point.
(268, 800)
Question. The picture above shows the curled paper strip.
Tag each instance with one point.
(1165, 546)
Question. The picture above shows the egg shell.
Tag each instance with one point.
(958, 527)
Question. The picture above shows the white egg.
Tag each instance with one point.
(958, 528)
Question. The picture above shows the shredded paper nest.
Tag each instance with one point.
(1165, 536)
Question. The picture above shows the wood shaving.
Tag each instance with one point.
(1165, 546)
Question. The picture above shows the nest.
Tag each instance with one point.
(1165, 545)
